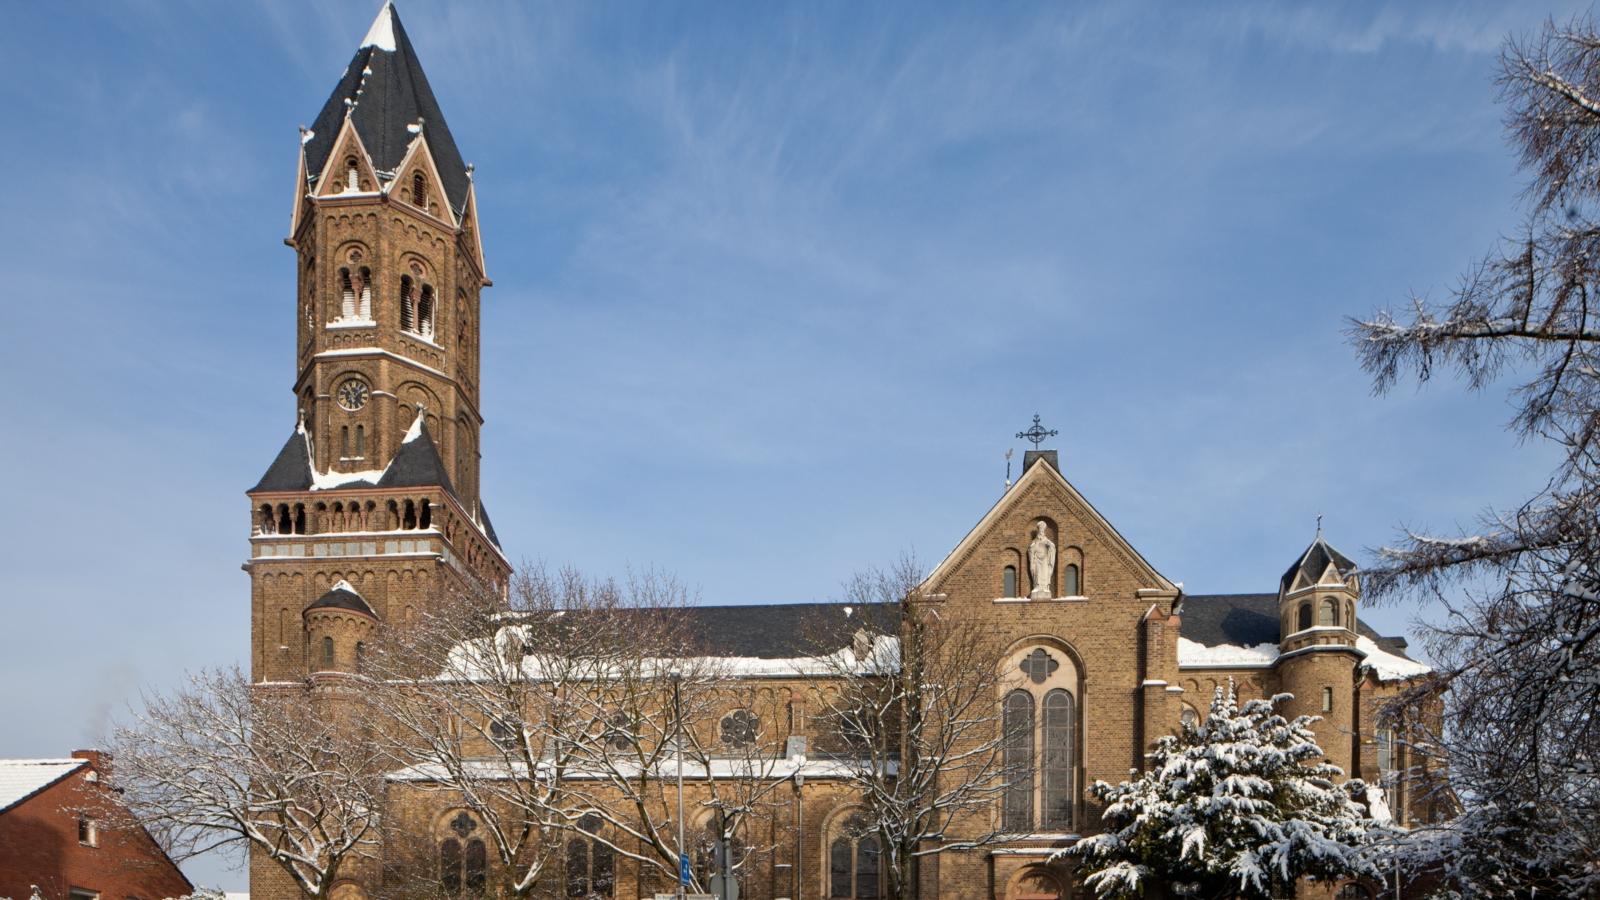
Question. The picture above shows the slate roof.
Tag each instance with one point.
(22, 778)
(291, 470)
(1246, 620)
(417, 464)
(388, 92)
(342, 596)
(786, 630)
(1315, 561)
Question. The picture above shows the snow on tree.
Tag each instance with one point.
(1518, 642)
(916, 722)
(1239, 804)
(225, 764)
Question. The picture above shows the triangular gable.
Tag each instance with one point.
(1043, 475)
(301, 189)
(469, 222)
(419, 154)
(331, 181)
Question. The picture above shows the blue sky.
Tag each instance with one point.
(774, 286)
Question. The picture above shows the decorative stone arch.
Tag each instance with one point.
(1011, 574)
(1037, 882)
(1050, 673)
(1069, 571)
(843, 865)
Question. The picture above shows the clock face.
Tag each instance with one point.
(353, 394)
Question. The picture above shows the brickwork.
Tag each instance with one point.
(40, 845)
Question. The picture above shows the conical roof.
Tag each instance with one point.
(385, 93)
(342, 596)
(1314, 561)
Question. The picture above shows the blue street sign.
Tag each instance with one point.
(683, 869)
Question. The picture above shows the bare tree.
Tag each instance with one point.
(917, 717)
(1518, 645)
(222, 763)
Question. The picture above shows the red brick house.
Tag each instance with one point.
(55, 834)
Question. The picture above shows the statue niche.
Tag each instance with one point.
(1041, 561)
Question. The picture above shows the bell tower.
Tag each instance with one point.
(376, 493)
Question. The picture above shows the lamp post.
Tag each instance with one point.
(677, 729)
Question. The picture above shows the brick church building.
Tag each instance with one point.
(372, 511)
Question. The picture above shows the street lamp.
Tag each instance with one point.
(677, 729)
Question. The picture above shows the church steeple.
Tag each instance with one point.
(386, 315)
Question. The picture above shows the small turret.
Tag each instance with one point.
(338, 625)
(1317, 645)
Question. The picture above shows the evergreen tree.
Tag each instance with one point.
(1239, 804)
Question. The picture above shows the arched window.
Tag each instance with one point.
(419, 190)
(364, 294)
(463, 858)
(854, 862)
(1008, 582)
(1329, 612)
(1018, 724)
(1059, 741)
(352, 175)
(1069, 581)
(408, 305)
(361, 441)
(285, 524)
(299, 518)
(425, 312)
(591, 864)
(1305, 617)
(361, 655)
(344, 442)
(708, 841)
(426, 519)
(410, 520)
(1327, 699)
(347, 295)
(740, 728)
(268, 524)
(327, 653)
(1189, 717)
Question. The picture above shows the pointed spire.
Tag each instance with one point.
(385, 93)
(1315, 561)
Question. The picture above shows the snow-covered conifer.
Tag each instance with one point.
(1239, 804)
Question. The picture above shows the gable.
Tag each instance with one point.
(1109, 566)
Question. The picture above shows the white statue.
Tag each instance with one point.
(1041, 561)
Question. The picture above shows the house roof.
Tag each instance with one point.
(22, 778)
(786, 630)
(385, 94)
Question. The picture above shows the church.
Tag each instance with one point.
(373, 510)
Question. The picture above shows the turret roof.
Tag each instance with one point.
(1314, 562)
(385, 94)
(342, 596)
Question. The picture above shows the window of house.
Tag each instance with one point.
(352, 175)
(419, 190)
(1040, 747)
(1069, 582)
(707, 843)
(1189, 717)
(1385, 751)
(854, 862)
(425, 312)
(88, 832)
(506, 735)
(1056, 791)
(408, 305)
(1017, 720)
(361, 655)
(1305, 617)
(1327, 699)
(327, 653)
(1330, 612)
(740, 728)
(1008, 582)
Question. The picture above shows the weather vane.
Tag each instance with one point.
(1037, 433)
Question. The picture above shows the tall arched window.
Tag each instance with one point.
(364, 294)
(1329, 614)
(708, 840)
(327, 653)
(361, 442)
(1069, 581)
(463, 858)
(419, 190)
(1059, 731)
(425, 312)
(1304, 618)
(591, 863)
(1008, 582)
(347, 295)
(352, 175)
(361, 656)
(408, 305)
(344, 442)
(1018, 724)
(854, 862)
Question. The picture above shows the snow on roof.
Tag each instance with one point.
(415, 431)
(381, 34)
(21, 778)
(693, 769)
(1194, 653)
(1388, 666)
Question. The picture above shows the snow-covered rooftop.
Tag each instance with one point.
(21, 778)
(1194, 653)
(1387, 666)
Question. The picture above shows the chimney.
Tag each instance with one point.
(99, 761)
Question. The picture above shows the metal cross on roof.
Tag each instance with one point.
(1037, 433)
